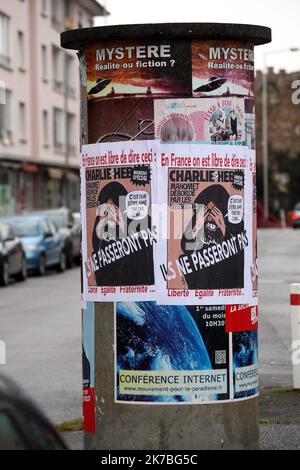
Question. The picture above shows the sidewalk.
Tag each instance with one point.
(275, 434)
(279, 416)
(279, 413)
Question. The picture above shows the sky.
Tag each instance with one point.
(281, 15)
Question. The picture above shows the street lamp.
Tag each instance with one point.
(265, 125)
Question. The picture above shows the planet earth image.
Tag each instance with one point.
(245, 354)
(153, 337)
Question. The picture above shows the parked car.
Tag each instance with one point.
(76, 218)
(295, 216)
(43, 245)
(22, 425)
(12, 256)
(69, 230)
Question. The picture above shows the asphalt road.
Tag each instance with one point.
(41, 325)
(279, 266)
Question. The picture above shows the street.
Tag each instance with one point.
(279, 266)
(43, 315)
(41, 326)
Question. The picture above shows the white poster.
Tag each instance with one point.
(118, 235)
(205, 239)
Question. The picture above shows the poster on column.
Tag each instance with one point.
(88, 367)
(123, 80)
(205, 240)
(168, 354)
(245, 364)
(221, 70)
(210, 120)
(254, 268)
(118, 237)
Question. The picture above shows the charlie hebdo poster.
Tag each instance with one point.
(205, 252)
(119, 236)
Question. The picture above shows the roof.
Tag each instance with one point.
(93, 7)
(78, 38)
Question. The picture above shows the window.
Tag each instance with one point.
(58, 129)
(45, 128)
(58, 14)
(5, 231)
(44, 227)
(40, 435)
(71, 134)
(2, 92)
(52, 228)
(69, 15)
(11, 438)
(5, 119)
(44, 63)
(57, 56)
(70, 71)
(4, 40)
(22, 121)
(21, 50)
(44, 8)
(79, 25)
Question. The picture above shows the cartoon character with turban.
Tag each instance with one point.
(209, 227)
(112, 225)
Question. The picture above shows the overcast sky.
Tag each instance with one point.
(282, 16)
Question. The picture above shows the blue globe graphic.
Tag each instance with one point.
(245, 354)
(158, 338)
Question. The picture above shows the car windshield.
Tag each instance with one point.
(26, 228)
(76, 219)
(4, 231)
(58, 219)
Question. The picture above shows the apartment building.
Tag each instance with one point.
(39, 103)
(283, 138)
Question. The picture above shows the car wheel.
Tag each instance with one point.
(69, 258)
(78, 260)
(22, 275)
(42, 266)
(62, 262)
(4, 275)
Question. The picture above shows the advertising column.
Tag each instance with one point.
(168, 204)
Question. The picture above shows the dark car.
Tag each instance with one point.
(12, 256)
(43, 245)
(296, 216)
(70, 231)
(22, 425)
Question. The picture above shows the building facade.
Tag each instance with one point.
(40, 103)
(283, 138)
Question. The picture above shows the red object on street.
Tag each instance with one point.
(262, 222)
(295, 299)
(241, 318)
(89, 417)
